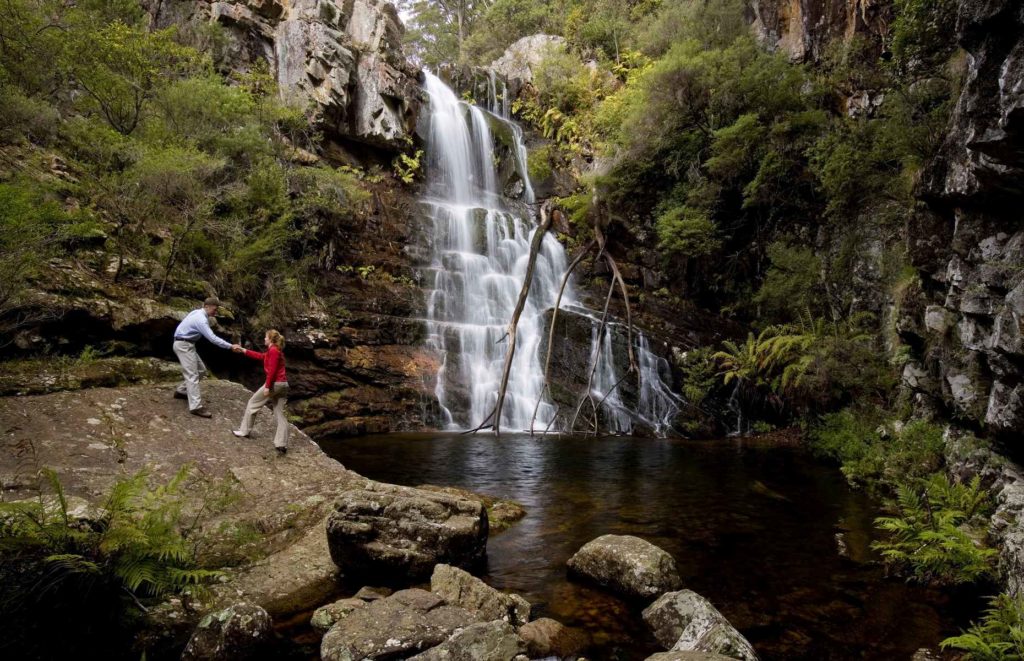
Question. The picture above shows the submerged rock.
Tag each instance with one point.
(484, 641)
(399, 626)
(628, 565)
(400, 532)
(462, 589)
(237, 632)
(686, 621)
(546, 638)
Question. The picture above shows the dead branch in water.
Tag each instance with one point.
(538, 239)
(551, 331)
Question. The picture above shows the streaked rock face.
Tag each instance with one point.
(803, 29)
(968, 241)
(342, 56)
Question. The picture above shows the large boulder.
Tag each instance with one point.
(399, 626)
(391, 531)
(237, 632)
(484, 641)
(520, 59)
(686, 621)
(628, 565)
(546, 638)
(462, 589)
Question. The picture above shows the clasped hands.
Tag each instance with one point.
(238, 348)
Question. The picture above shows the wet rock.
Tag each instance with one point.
(237, 632)
(327, 616)
(546, 638)
(628, 565)
(686, 621)
(484, 641)
(401, 625)
(462, 589)
(392, 531)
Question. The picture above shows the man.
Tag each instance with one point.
(195, 325)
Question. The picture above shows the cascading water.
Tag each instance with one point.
(480, 249)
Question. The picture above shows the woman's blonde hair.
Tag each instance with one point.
(276, 338)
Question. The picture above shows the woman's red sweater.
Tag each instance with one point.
(273, 364)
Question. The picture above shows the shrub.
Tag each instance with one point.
(876, 456)
(931, 537)
(792, 284)
(1000, 634)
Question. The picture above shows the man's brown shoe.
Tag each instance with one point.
(180, 395)
(201, 412)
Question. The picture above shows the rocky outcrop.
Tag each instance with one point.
(327, 616)
(90, 438)
(233, 634)
(686, 621)
(968, 243)
(343, 56)
(401, 533)
(462, 589)
(804, 29)
(628, 565)
(405, 623)
(501, 512)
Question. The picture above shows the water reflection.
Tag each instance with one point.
(753, 529)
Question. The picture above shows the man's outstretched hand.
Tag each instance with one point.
(237, 348)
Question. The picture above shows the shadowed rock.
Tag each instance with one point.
(237, 632)
(393, 531)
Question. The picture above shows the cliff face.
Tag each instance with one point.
(968, 240)
(343, 56)
(804, 29)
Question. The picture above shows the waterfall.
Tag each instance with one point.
(480, 248)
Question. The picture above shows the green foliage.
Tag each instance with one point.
(687, 232)
(875, 455)
(1000, 634)
(931, 538)
(120, 68)
(135, 541)
(792, 284)
(923, 33)
(539, 163)
(700, 375)
(407, 167)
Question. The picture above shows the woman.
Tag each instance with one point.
(274, 390)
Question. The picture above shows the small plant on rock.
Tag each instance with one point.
(1000, 634)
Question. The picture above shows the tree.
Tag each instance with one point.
(439, 28)
(120, 68)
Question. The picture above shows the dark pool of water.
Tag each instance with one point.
(756, 530)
